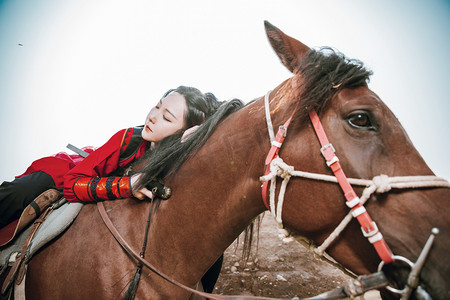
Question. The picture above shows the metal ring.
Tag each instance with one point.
(400, 258)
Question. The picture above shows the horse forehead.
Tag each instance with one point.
(361, 95)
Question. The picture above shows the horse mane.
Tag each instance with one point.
(170, 153)
(324, 73)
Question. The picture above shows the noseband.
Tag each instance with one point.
(275, 167)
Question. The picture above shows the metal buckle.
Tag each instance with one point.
(282, 127)
(372, 232)
(325, 147)
(334, 159)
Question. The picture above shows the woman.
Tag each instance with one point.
(168, 136)
(93, 178)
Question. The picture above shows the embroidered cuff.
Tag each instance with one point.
(88, 189)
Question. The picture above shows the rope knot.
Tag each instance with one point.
(285, 173)
(382, 183)
(283, 169)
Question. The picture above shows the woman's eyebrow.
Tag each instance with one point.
(171, 114)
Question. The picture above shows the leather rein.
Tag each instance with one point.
(353, 288)
(140, 260)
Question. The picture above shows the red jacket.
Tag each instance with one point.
(85, 180)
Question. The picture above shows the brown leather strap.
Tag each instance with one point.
(17, 268)
(136, 256)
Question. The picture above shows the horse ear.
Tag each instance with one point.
(288, 49)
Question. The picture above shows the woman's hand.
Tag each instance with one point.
(188, 132)
(142, 193)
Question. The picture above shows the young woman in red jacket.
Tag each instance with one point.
(170, 133)
(93, 178)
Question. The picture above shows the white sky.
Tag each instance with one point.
(85, 69)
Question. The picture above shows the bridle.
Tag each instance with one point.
(275, 167)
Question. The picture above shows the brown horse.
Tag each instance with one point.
(217, 193)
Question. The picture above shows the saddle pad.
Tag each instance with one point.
(15, 246)
(54, 225)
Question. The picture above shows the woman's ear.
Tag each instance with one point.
(188, 133)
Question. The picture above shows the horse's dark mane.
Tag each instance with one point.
(323, 73)
(170, 153)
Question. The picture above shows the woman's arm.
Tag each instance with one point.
(87, 182)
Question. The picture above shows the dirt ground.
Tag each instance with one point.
(278, 269)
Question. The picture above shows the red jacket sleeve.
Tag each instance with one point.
(86, 182)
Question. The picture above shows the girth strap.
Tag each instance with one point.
(17, 272)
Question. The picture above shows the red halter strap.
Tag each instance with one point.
(369, 228)
(273, 153)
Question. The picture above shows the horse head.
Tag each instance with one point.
(372, 147)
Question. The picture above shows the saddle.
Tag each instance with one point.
(57, 213)
(31, 212)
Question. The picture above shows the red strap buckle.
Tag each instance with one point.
(328, 153)
(358, 210)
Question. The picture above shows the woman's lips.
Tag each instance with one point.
(148, 128)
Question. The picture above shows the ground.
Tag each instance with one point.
(278, 269)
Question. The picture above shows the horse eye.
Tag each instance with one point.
(360, 120)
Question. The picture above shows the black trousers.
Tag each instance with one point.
(17, 194)
(210, 278)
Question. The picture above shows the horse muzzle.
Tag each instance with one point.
(412, 289)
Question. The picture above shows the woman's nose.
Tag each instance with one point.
(152, 117)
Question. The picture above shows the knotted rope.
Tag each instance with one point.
(379, 184)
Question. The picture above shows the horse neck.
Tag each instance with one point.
(217, 193)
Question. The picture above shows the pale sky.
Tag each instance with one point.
(77, 71)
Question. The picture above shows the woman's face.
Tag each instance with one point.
(166, 118)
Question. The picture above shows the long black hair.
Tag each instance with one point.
(200, 106)
(170, 153)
